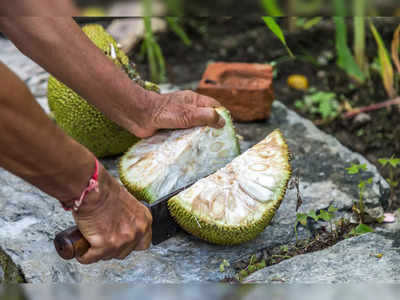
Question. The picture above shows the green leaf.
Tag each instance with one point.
(271, 7)
(302, 218)
(243, 273)
(299, 104)
(251, 268)
(223, 264)
(345, 58)
(312, 22)
(326, 216)
(387, 73)
(261, 264)
(353, 169)
(361, 229)
(383, 161)
(221, 268)
(312, 214)
(332, 209)
(392, 183)
(276, 29)
(394, 162)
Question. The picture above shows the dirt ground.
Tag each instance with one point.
(247, 39)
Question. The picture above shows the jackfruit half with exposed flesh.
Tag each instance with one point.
(81, 120)
(170, 160)
(236, 203)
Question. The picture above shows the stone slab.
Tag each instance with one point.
(350, 261)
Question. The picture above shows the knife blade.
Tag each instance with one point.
(70, 243)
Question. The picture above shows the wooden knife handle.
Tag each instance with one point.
(71, 243)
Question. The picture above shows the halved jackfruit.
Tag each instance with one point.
(159, 165)
(236, 203)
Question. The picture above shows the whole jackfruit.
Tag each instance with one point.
(172, 159)
(236, 203)
(81, 120)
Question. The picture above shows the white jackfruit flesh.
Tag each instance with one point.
(237, 202)
(169, 160)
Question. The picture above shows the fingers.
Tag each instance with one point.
(143, 245)
(92, 256)
(96, 254)
(192, 98)
(203, 116)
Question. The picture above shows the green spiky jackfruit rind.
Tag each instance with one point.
(144, 194)
(82, 121)
(229, 235)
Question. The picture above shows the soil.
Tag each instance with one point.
(247, 39)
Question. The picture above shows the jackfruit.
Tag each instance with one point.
(81, 120)
(236, 203)
(169, 160)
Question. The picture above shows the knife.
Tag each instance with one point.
(70, 243)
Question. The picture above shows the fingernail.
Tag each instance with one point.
(221, 122)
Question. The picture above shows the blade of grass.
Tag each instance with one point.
(160, 61)
(359, 34)
(271, 7)
(395, 49)
(276, 29)
(387, 73)
(345, 58)
(174, 25)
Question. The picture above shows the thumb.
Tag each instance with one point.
(206, 116)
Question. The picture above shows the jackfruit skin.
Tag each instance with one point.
(82, 121)
(143, 194)
(228, 235)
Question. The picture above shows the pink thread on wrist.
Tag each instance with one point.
(92, 185)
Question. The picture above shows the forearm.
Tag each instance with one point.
(60, 47)
(34, 148)
(38, 8)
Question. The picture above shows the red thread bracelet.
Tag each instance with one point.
(93, 185)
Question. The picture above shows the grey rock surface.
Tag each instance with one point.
(30, 219)
(210, 291)
(350, 261)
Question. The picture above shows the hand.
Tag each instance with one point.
(113, 222)
(183, 109)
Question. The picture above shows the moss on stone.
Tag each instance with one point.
(12, 273)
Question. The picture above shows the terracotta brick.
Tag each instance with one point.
(245, 89)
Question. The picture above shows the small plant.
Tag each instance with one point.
(251, 268)
(392, 163)
(223, 265)
(325, 215)
(358, 208)
(320, 103)
(360, 230)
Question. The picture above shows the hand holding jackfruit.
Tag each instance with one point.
(81, 120)
(169, 160)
